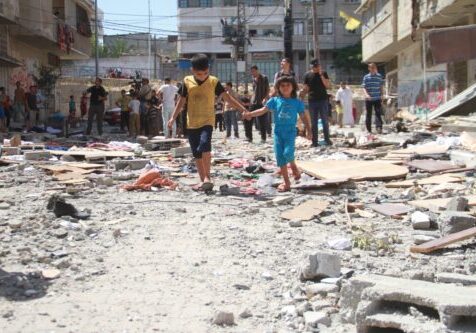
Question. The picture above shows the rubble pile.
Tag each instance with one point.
(378, 232)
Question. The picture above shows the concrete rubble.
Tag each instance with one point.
(95, 223)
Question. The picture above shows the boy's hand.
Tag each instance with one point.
(170, 124)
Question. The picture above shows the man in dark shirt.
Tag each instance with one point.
(316, 83)
(260, 94)
(32, 110)
(96, 106)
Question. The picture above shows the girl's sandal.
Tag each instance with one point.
(283, 188)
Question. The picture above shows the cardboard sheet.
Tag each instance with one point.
(391, 209)
(306, 211)
(434, 180)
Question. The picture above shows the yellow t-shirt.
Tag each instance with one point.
(200, 102)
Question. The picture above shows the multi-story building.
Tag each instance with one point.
(35, 33)
(138, 44)
(425, 48)
(201, 30)
(332, 34)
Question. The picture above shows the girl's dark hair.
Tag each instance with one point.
(287, 79)
(288, 60)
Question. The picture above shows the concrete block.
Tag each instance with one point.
(320, 289)
(321, 265)
(420, 221)
(458, 204)
(452, 221)
(312, 319)
(37, 155)
(463, 157)
(375, 302)
(9, 151)
(180, 151)
(137, 164)
(465, 280)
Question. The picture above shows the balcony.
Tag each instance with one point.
(9, 11)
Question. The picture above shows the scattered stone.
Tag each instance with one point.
(246, 314)
(420, 221)
(223, 318)
(30, 292)
(60, 233)
(454, 221)
(289, 311)
(267, 276)
(4, 205)
(15, 224)
(344, 244)
(420, 239)
(241, 286)
(295, 224)
(312, 319)
(465, 280)
(321, 289)
(321, 265)
(458, 204)
(51, 274)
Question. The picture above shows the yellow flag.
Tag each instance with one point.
(351, 22)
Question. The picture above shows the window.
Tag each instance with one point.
(352, 1)
(298, 28)
(326, 26)
(83, 25)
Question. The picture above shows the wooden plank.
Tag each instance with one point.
(58, 169)
(86, 166)
(391, 209)
(429, 149)
(433, 180)
(437, 204)
(306, 211)
(354, 170)
(444, 241)
(432, 166)
(91, 153)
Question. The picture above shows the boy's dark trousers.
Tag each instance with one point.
(263, 121)
(377, 105)
(248, 129)
(124, 120)
(219, 122)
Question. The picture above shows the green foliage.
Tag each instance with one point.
(115, 51)
(349, 58)
(46, 78)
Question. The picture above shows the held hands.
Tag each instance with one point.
(170, 124)
(247, 115)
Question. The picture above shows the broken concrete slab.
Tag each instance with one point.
(465, 280)
(457, 204)
(440, 243)
(432, 166)
(312, 319)
(376, 301)
(436, 205)
(180, 151)
(451, 222)
(320, 265)
(355, 170)
(306, 211)
(434, 180)
(37, 155)
(391, 209)
(136, 164)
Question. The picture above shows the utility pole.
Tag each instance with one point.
(96, 41)
(149, 45)
(155, 57)
(315, 28)
(241, 39)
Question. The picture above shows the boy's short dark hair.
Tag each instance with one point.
(167, 79)
(200, 62)
(229, 84)
(254, 67)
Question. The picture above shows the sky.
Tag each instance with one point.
(128, 16)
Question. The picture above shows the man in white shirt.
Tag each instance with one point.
(167, 94)
(344, 105)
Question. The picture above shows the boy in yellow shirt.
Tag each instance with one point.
(200, 91)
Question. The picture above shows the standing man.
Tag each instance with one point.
(373, 87)
(96, 106)
(316, 83)
(260, 94)
(32, 110)
(145, 94)
(19, 102)
(123, 103)
(167, 94)
(231, 113)
(344, 105)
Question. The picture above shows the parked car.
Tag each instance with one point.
(113, 116)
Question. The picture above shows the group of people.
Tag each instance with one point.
(24, 108)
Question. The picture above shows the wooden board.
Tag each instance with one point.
(306, 211)
(432, 166)
(434, 180)
(434, 204)
(391, 209)
(320, 184)
(444, 241)
(354, 170)
(58, 169)
(430, 149)
(86, 166)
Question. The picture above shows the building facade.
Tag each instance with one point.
(36, 33)
(201, 31)
(332, 34)
(405, 37)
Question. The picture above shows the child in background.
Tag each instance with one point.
(200, 92)
(72, 111)
(286, 107)
(134, 116)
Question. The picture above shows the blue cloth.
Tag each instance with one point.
(2, 112)
(286, 111)
(373, 84)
